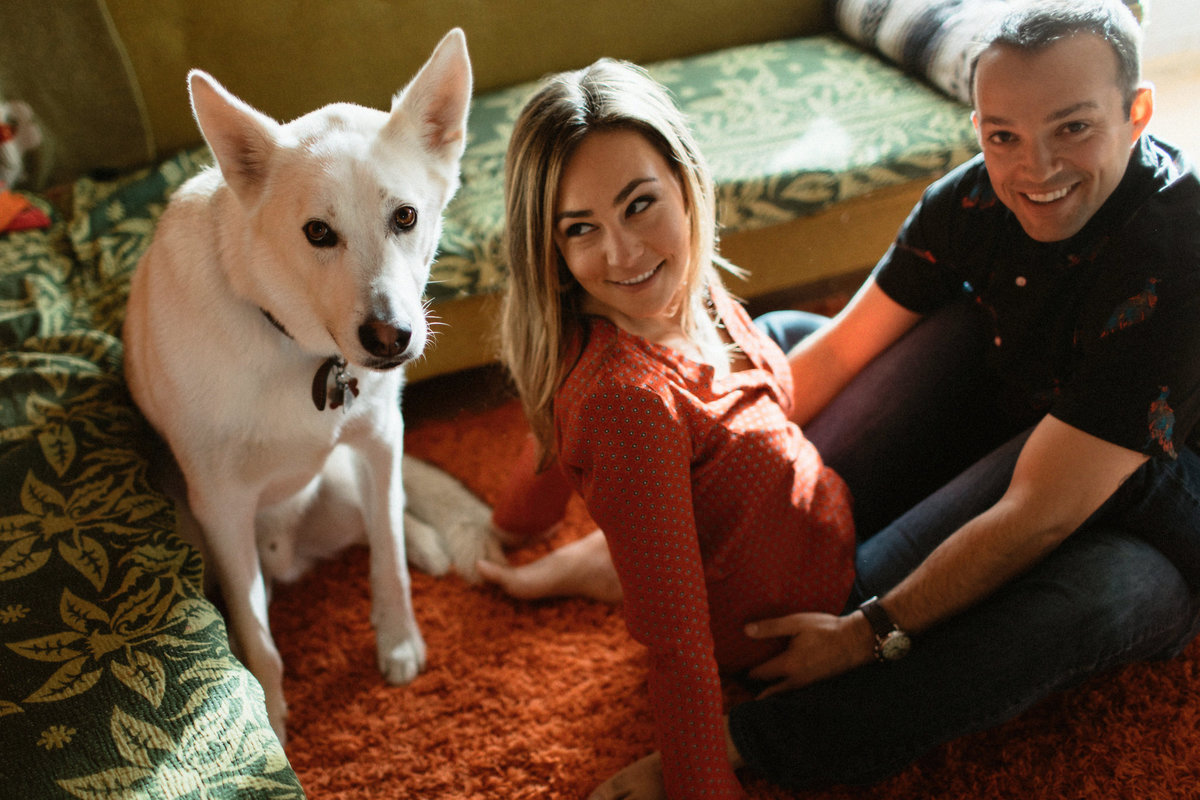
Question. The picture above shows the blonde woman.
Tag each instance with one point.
(661, 403)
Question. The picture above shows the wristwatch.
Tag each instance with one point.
(891, 643)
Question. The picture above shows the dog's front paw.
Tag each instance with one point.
(468, 543)
(401, 660)
(424, 547)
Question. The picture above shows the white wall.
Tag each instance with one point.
(1173, 26)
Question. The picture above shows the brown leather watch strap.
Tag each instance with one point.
(880, 622)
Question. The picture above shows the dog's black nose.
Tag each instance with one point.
(384, 340)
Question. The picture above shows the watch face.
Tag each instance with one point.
(894, 646)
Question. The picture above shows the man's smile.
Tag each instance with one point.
(1049, 197)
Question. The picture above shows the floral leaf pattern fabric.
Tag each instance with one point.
(116, 678)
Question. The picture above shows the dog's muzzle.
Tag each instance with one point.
(386, 342)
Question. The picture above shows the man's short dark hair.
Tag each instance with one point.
(1033, 26)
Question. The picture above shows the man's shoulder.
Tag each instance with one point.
(1166, 212)
(1169, 163)
(1179, 183)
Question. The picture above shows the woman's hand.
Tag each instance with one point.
(641, 780)
(821, 646)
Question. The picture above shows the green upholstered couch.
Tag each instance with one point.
(116, 678)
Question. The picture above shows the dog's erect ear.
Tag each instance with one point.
(438, 99)
(241, 138)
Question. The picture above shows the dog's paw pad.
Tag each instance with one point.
(400, 663)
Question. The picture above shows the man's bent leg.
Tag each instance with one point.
(912, 419)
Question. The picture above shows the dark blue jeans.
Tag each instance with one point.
(921, 442)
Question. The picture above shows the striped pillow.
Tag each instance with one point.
(930, 38)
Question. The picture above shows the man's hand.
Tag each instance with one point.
(821, 646)
(1061, 477)
(641, 780)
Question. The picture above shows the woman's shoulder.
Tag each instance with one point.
(607, 360)
(611, 374)
(611, 401)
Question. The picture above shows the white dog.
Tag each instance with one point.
(266, 329)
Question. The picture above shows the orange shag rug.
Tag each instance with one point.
(546, 699)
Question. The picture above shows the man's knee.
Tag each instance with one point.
(1113, 596)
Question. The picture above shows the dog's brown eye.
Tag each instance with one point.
(404, 218)
(319, 234)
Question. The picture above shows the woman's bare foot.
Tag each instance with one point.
(641, 780)
(582, 568)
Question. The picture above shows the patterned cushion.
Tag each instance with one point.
(788, 127)
(929, 38)
(117, 675)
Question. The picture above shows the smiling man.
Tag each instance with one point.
(1056, 127)
(1013, 399)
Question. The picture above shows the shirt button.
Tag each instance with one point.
(1021, 280)
(996, 341)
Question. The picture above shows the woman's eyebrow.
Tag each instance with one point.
(629, 187)
(622, 195)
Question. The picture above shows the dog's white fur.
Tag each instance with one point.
(309, 222)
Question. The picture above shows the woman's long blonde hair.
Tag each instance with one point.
(541, 315)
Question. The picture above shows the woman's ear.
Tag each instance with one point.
(1142, 109)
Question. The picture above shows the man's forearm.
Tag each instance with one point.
(1062, 476)
(975, 561)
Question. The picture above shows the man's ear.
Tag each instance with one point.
(1142, 109)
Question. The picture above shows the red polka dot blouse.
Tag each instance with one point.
(717, 512)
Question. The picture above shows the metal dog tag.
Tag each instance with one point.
(331, 382)
(344, 389)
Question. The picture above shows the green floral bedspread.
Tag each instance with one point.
(116, 679)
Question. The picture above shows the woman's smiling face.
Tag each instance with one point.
(621, 225)
(1054, 131)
